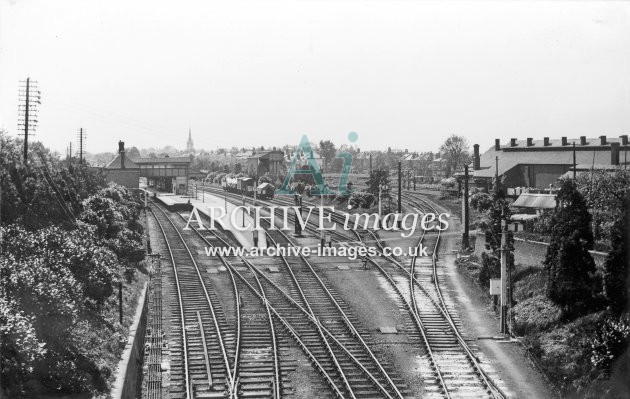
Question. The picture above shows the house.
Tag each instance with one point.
(540, 163)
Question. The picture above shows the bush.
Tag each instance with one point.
(610, 341)
(480, 201)
(490, 268)
(535, 314)
(361, 200)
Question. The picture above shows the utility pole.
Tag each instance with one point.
(503, 275)
(399, 193)
(81, 138)
(370, 165)
(574, 166)
(465, 238)
(27, 110)
(71, 152)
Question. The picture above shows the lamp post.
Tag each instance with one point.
(381, 187)
(321, 209)
(503, 276)
(243, 197)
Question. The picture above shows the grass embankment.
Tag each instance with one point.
(561, 347)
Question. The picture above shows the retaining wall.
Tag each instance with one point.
(130, 365)
(530, 253)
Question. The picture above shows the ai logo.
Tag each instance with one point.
(305, 152)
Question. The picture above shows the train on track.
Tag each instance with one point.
(246, 186)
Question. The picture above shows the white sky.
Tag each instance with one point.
(400, 74)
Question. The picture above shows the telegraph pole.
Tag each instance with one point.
(465, 238)
(504, 301)
(399, 193)
(574, 165)
(81, 138)
(27, 111)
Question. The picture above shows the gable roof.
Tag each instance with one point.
(116, 164)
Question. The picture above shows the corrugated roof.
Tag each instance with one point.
(535, 201)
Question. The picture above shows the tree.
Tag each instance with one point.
(133, 153)
(328, 152)
(616, 267)
(377, 178)
(568, 262)
(604, 192)
(455, 150)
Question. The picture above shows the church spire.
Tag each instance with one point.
(189, 144)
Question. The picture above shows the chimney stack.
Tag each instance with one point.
(614, 153)
(602, 140)
(476, 158)
(564, 141)
(582, 140)
(513, 142)
(497, 144)
(530, 141)
(546, 141)
(121, 151)
(624, 139)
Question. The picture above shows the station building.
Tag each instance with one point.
(540, 163)
(169, 174)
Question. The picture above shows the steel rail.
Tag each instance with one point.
(212, 311)
(440, 304)
(348, 323)
(181, 308)
(290, 299)
(255, 272)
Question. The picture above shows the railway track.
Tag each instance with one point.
(250, 365)
(453, 360)
(318, 317)
(202, 343)
(456, 365)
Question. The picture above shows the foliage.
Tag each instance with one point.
(58, 323)
(568, 262)
(114, 212)
(610, 341)
(604, 192)
(328, 152)
(378, 178)
(29, 198)
(499, 210)
(448, 182)
(361, 200)
(490, 268)
(55, 286)
(616, 268)
(535, 314)
(480, 201)
(455, 150)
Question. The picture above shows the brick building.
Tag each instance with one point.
(122, 170)
(539, 163)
